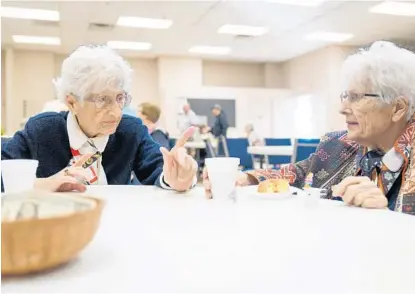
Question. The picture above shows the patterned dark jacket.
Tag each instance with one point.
(337, 157)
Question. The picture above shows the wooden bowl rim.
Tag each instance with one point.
(99, 206)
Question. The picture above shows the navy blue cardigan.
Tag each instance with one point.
(130, 148)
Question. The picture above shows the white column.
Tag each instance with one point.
(177, 77)
(12, 121)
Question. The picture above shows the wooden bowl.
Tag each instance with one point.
(45, 230)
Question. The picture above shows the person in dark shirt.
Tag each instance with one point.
(150, 115)
(219, 129)
(220, 126)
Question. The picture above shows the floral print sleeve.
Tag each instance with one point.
(294, 173)
(329, 147)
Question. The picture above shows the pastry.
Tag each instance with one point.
(274, 186)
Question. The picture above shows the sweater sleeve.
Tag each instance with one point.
(294, 173)
(148, 163)
(18, 147)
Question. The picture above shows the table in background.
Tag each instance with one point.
(153, 240)
(271, 151)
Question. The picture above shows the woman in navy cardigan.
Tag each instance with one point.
(94, 143)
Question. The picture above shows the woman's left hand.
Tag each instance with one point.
(360, 191)
(179, 168)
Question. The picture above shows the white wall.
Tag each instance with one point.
(261, 90)
(318, 74)
(233, 74)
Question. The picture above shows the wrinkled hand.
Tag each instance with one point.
(242, 179)
(67, 179)
(179, 168)
(360, 191)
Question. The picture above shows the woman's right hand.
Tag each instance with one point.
(243, 179)
(68, 179)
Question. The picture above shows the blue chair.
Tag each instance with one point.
(278, 160)
(238, 147)
(303, 148)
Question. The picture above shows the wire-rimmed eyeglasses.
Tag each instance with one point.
(353, 97)
(101, 101)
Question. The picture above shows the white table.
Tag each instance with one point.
(271, 151)
(195, 145)
(152, 240)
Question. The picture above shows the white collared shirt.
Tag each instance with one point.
(79, 141)
(393, 160)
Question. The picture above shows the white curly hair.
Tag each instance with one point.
(386, 69)
(90, 68)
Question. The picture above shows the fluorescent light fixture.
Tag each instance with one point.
(125, 45)
(394, 8)
(36, 40)
(212, 50)
(141, 22)
(329, 37)
(310, 3)
(26, 13)
(242, 30)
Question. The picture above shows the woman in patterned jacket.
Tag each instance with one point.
(372, 164)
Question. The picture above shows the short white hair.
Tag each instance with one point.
(89, 67)
(388, 69)
(249, 126)
(55, 106)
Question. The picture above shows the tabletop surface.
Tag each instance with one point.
(271, 150)
(152, 240)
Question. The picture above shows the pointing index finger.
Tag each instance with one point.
(185, 136)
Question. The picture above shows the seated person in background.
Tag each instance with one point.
(94, 84)
(253, 137)
(150, 115)
(372, 164)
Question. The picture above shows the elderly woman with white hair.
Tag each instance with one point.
(94, 143)
(372, 164)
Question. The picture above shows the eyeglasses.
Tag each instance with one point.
(353, 97)
(123, 100)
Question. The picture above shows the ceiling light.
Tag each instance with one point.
(298, 2)
(213, 50)
(242, 30)
(125, 45)
(329, 37)
(25, 13)
(36, 40)
(394, 8)
(140, 22)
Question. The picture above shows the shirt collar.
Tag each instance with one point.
(393, 160)
(77, 138)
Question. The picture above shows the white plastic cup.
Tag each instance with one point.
(222, 172)
(18, 174)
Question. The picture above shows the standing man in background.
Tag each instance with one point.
(220, 128)
(188, 118)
